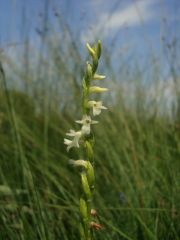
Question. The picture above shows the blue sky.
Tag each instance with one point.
(135, 24)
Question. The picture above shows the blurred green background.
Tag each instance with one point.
(137, 150)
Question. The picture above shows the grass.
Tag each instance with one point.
(137, 162)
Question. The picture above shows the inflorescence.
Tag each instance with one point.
(84, 138)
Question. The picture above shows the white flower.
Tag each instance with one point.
(96, 106)
(86, 122)
(75, 141)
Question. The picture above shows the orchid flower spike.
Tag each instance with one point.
(75, 141)
(96, 107)
(83, 136)
(86, 122)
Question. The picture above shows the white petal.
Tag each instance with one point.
(96, 111)
(86, 129)
(71, 133)
(94, 122)
(67, 141)
(79, 121)
(91, 103)
(75, 141)
(102, 107)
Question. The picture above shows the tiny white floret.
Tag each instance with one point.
(75, 141)
(86, 124)
(96, 106)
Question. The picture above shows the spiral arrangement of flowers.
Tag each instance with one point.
(84, 137)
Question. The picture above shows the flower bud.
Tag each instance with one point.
(89, 150)
(83, 208)
(93, 212)
(98, 77)
(91, 50)
(79, 163)
(90, 175)
(99, 49)
(85, 186)
(96, 89)
(95, 63)
(89, 70)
